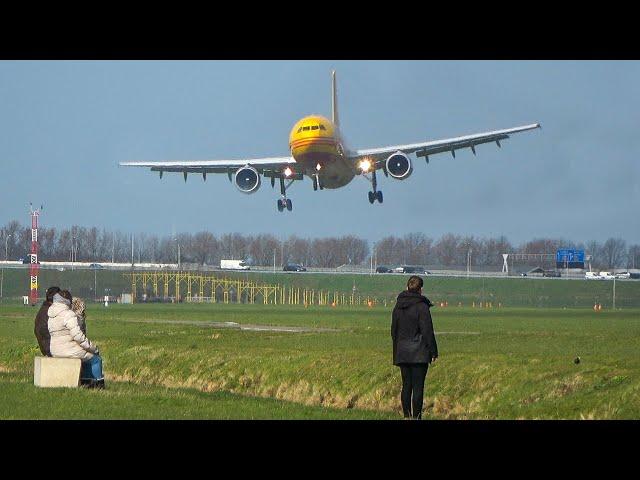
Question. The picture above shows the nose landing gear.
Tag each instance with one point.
(375, 194)
(316, 183)
(284, 202)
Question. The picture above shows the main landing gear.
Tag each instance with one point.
(284, 202)
(375, 194)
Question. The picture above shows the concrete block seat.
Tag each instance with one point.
(56, 372)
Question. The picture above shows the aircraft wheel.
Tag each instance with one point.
(289, 204)
(379, 196)
(371, 198)
(315, 184)
(280, 206)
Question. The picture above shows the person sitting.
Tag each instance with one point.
(69, 341)
(41, 328)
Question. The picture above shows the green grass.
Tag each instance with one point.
(512, 292)
(167, 361)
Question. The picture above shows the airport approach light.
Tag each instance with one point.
(365, 165)
(288, 172)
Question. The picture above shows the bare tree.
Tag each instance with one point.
(446, 248)
(204, 247)
(614, 251)
(633, 256)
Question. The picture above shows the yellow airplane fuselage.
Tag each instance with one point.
(316, 146)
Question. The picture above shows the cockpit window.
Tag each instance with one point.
(314, 127)
(300, 129)
(322, 127)
(305, 128)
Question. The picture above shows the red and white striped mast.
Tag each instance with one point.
(34, 266)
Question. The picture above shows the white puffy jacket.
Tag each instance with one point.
(67, 339)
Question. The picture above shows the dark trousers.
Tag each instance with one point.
(413, 376)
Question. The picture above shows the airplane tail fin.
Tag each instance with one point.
(334, 100)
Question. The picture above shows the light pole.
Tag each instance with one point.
(375, 256)
(469, 261)
(73, 256)
(5, 259)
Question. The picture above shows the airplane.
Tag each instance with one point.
(318, 151)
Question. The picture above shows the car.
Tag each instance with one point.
(294, 267)
(592, 276)
(551, 273)
(414, 269)
(27, 260)
(607, 275)
(95, 266)
(523, 274)
(382, 269)
(623, 275)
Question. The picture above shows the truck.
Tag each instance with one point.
(233, 265)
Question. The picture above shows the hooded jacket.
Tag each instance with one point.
(412, 330)
(41, 328)
(67, 339)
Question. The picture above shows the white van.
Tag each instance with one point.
(592, 276)
(607, 275)
(233, 265)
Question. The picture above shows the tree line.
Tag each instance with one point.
(90, 244)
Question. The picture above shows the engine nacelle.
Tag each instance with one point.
(399, 166)
(247, 179)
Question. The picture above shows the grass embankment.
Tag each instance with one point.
(511, 292)
(499, 363)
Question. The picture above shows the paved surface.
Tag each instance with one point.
(237, 326)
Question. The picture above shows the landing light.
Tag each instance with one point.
(288, 172)
(318, 167)
(365, 165)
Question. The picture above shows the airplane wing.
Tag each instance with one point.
(215, 166)
(425, 149)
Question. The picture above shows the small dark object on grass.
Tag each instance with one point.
(576, 360)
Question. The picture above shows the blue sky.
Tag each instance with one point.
(65, 125)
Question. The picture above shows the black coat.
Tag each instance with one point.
(41, 329)
(412, 330)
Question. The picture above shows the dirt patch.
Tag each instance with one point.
(567, 386)
(6, 369)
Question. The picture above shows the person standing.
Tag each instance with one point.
(41, 328)
(414, 344)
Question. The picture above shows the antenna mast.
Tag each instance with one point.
(34, 264)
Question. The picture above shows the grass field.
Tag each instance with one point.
(174, 361)
(511, 292)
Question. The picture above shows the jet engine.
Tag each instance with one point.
(399, 166)
(247, 179)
